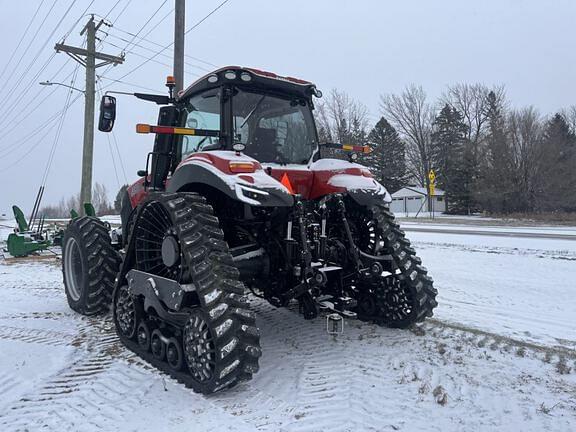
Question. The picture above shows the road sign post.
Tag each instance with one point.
(431, 192)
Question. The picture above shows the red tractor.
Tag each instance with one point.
(237, 195)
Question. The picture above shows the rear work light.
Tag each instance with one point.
(241, 167)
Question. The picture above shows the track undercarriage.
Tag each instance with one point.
(180, 301)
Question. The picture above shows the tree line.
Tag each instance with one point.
(100, 202)
(487, 156)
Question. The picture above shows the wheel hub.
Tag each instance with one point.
(170, 251)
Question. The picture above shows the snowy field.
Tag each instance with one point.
(498, 356)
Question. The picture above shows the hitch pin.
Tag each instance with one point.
(334, 324)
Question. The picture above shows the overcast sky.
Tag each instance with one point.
(365, 48)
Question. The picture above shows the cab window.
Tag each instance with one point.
(202, 112)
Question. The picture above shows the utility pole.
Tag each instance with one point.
(87, 58)
(179, 27)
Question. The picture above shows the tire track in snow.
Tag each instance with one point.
(547, 254)
(30, 335)
(90, 394)
(480, 338)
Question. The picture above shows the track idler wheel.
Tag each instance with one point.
(125, 312)
(174, 354)
(199, 347)
(157, 345)
(143, 336)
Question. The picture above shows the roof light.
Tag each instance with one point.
(245, 76)
(213, 78)
(230, 74)
(170, 80)
(238, 147)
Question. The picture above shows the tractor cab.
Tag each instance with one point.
(268, 116)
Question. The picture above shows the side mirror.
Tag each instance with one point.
(107, 113)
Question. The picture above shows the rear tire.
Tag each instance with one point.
(89, 266)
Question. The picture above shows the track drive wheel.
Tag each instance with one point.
(89, 265)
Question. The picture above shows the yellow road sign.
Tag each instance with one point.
(432, 189)
(432, 176)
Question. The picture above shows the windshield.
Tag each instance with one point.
(274, 128)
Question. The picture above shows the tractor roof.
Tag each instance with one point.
(251, 78)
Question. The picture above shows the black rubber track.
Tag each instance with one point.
(100, 263)
(207, 263)
(413, 278)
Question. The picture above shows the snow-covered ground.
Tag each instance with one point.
(499, 356)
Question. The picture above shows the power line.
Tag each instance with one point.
(21, 39)
(163, 55)
(28, 46)
(101, 77)
(142, 28)
(26, 107)
(59, 130)
(117, 149)
(160, 45)
(119, 156)
(15, 146)
(36, 105)
(110, 148)
(41, 49)
(143, 56)
(120, 13)
(113, 7)
(38, 130)
(172, 43)
(82, 15)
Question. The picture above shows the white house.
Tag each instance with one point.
(414, 199)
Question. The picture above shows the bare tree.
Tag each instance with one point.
(470, 100)
(525, 138)
(100, 199)
(341, 118)
(412, 116)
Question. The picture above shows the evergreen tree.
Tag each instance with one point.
(448, 154)
(495, 189)
(557, 174)
(388, 159)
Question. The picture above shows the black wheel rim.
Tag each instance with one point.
(365, 232)
(387, 299)
(199, 349)
(154, 230)
(125, 311)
